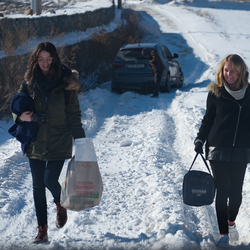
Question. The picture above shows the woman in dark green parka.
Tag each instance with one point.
(53, 87)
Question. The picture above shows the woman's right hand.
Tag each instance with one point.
(26, 116)
(198, 144)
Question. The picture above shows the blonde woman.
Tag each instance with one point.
(225, 129)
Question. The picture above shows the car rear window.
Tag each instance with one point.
(130, 54)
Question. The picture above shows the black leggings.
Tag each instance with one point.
(45, 174)
(229, 178)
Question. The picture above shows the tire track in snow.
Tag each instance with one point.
(170, 25)
(141, 179)
(202, 223)
(146, 169)
(16, 205)
(186, 122)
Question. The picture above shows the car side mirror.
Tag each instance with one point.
(175, 55)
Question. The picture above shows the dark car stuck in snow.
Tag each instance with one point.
(132, 70)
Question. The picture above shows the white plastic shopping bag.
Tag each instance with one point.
(83, 187)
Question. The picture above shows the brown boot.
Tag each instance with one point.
(42, 235)
(61, 217)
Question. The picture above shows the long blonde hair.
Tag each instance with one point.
(240, 67)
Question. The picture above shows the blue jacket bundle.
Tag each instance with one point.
(24, 132)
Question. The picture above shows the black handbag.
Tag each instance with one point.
(198, 187)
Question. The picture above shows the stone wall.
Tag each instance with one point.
(42, 26)
(53, 26)
(92, 58)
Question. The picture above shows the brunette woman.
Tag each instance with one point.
(53, 87)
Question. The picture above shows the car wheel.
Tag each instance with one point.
(180, 81)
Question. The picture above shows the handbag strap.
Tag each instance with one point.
(202, 159)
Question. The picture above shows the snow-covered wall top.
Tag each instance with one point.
(43, 26)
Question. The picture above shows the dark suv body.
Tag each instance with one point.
(132, 70)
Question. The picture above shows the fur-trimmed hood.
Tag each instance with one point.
(70, 78)
(72, 81)
(215, 89)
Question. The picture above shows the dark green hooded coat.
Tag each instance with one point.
(61, 122)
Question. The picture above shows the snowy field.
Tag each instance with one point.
(144, 146)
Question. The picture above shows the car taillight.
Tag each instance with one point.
(116, 66)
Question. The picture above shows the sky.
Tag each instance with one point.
(144, 145)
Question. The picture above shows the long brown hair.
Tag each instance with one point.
(55, 67)
(240, 67)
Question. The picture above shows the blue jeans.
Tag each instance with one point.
(229, 178)
(45, 174)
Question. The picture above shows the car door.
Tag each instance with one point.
(173, 65)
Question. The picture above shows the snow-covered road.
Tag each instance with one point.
(144, 147)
